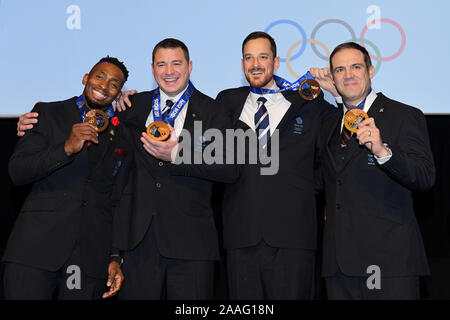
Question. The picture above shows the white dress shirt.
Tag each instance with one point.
(276, 106)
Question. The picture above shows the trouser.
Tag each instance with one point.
(265, 272)
(343, 287)
(149, 275)
(23, 282)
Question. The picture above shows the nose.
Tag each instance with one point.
(256, 62)
(103, 84)
(348, 73)
(169, 69)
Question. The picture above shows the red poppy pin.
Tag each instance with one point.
(115, 121)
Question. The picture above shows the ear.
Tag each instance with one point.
(85, 79)
(190, 66)
(371, 72)
(276, 64)
(242, 63)
(153, 70)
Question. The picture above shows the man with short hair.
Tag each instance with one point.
(269, 221)
(62, 239)
(172, 245)
(370, 169)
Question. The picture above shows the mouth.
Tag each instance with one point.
(256, 72)
(98, 95)
(170, 79)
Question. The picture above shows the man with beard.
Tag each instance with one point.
(62, 237)
(269, 221)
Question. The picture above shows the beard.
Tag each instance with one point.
(260, 83)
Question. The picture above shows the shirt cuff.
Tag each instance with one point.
(385, 159)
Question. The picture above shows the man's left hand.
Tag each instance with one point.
(115, 279)
(369, 135)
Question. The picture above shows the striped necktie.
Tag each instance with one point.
(262, 123)
(346, 135)
(165, 112)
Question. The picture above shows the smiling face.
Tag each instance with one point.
(171, 70)
(351, 75)
(102, 85)
(259, 64)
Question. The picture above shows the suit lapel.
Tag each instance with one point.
(193, 113)
(294, 108)
(237, 103)
(335, 121)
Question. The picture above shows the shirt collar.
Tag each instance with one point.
(272, 98)
(369, 100)
(165, 97)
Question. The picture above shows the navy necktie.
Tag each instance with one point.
(262, 123)
(165, 112)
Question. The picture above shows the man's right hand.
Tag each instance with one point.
(124, 102)
(26, 122)
(80, 133)
(323, 76)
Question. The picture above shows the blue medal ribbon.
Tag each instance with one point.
(81, 103)
(176, 109)
(283, 84)
(360, 105)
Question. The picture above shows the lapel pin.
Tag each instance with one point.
(111, 132)
(382, 110)
(193, 115)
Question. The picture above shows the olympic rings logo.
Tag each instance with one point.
(314, 42)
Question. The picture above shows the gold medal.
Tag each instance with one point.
(158, 130)
(97, 118)
(352, 119)
(311, 92)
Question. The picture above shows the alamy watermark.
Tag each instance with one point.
(74, 279)
(233, 146)
(374, 280)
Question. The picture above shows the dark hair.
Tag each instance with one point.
(258, 35)
(117, 63)
(351, 45)
(171, 43)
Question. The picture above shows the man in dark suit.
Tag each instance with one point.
(63, 235)
(172, 244)
(269, 221)
(372, 247)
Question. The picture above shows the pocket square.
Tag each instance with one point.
(121, 151)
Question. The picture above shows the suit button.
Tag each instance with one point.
(339, 182)
(161, 163)
(342, 158)
(338, 206)
(158, 185)
(85, 203)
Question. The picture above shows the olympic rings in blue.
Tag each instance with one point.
(354, 38)
(295, 24)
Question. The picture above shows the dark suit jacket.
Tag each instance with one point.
(280, 208)
(175, 198)
(370, 218)
(69, 202)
